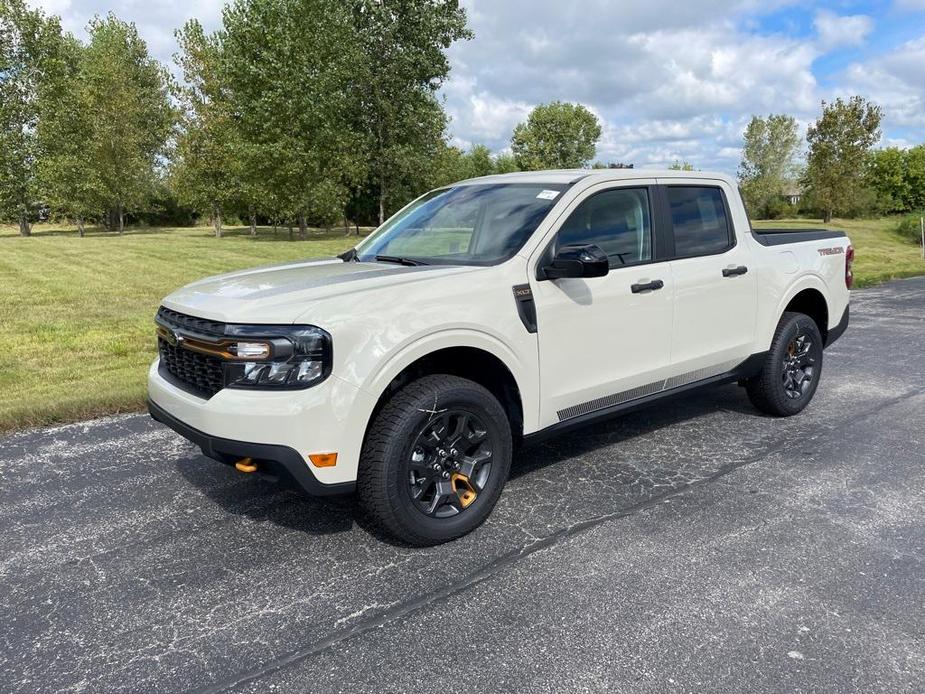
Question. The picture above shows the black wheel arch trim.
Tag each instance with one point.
(279, 461)
(839, 330)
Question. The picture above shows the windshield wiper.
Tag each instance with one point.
(347, 256)
(399, 259)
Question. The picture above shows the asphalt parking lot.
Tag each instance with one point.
(695, 546)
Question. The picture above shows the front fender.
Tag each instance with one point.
(415, 349)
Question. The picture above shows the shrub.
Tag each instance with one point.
(909, 226)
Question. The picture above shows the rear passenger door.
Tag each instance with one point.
(714, 288)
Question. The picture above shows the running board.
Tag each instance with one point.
(609, 401)
(619, 403)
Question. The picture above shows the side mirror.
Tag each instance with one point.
(576, 261)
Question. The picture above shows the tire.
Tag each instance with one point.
(792, 368)
(397, 483)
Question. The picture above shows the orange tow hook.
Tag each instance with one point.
(246, 465)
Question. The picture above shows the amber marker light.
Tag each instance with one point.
(323, 459)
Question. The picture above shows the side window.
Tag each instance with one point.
(698, 217)
(616, 220)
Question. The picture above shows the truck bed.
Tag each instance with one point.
(777, 237)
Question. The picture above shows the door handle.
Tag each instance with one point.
(733, 271)
(646, 286)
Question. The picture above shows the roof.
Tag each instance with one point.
(566, 176)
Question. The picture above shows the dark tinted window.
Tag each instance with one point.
(617, 221)
(699, 220)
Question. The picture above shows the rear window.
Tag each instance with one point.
(698, 217)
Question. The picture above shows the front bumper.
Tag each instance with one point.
(281, 462)
(279, 430)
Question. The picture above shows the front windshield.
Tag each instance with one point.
(464, 225)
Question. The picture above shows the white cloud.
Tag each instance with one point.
(668, 80)
(836, 31)
(894, 80)
(911, 5)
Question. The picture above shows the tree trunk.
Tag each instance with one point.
(80, 226)
(381, 203)
(275, 227)
(302, 225)
(253, 224)
(346, 226)
(357, 224)
(827, 217)
(217, 221)
(121, 219)
(290, 231)
(25, 229)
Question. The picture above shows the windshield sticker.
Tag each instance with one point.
(548, 194)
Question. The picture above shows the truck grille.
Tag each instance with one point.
(202, 326)
(201, 374)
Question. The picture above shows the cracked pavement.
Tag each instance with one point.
(696, 545)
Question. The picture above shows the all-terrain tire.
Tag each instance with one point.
(385, 477)
(789, 378)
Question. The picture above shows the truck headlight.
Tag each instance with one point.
(299, 356)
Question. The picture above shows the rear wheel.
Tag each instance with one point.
(792, 368)
(435, 460)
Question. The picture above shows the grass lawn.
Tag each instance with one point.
(77, 314)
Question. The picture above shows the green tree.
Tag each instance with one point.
(207, 169)
(69, 186)
(915, 177)
(678, 165)
(768, 156)
(125, 95)
(404, 63)
(290, 74)
(478, 162)
(505, 163)
(886, 175)
(611, 165)
(26, 37)
(839, 144)
(556, 136)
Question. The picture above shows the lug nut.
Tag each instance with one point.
(445, 474)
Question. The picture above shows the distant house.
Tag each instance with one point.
(792, 194)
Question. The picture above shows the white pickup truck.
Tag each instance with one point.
(487, 314)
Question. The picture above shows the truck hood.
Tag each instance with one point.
(281, 293)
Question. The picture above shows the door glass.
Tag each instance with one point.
(698, 216)
(616, 220)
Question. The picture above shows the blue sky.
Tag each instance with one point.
(669, 79)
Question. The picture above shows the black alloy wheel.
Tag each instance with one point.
(450, 463)
(790, 375)
(435, 460)
(798, 366)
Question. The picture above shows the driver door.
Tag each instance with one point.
(604, 340)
